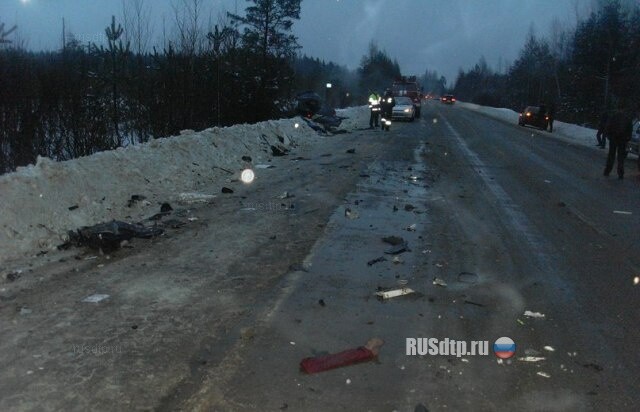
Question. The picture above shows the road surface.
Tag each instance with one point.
(217, 314)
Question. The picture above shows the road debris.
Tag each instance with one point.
(135, 199)
(397, 249)
(108, 236)
(389, 294)
(469, 302)
(393, 240)
(285, 195)
(345, 358)
(351, 151)
(520, 322)
(321, 303)
(192, 197)
(543, 374)
(74, 207)
(261, 166)
(246, 159)
(226, 190)
(411, 228)
(549, 349)
(398, 260)
(532, 359)
(351, 214)
(531, 314)
(95, 298)
(25, 311)
(439, 282)
(622, 212)
(376, 260)
(13, 276)
(409, 207)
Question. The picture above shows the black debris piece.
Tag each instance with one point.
(409, 207)
(393, 240)
(13, 276)
(351, 151)
(108, 236)
(396, 250)
(376, 260)
(246, 158)
(165, 208)
(321, 303)
(279, 151)
(74, 207)
(468, 302)
(135, 199)
(227, 190)
(562, 204)
(395, 208)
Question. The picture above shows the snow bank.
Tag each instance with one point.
(358, 117)
(578, 134)
(40, 203)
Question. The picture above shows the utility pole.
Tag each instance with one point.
(64, 36)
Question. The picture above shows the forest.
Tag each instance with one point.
(133, 86)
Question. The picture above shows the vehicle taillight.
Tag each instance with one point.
(453, 99)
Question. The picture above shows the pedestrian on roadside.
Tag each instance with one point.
(602, 123)
(618, 130)
(374, 107)
(551, 114)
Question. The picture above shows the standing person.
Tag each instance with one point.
(374, 107)
(601, 136)
(618, 130)
(551, 114)
(387, 109)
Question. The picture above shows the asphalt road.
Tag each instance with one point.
(218, 314)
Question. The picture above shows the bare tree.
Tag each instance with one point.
(138, 30)
(5, 33)
(190, 34)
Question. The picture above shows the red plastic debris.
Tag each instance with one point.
(344, 358)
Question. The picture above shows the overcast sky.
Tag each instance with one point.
(441, 35)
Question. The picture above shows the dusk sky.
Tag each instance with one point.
(441, 35)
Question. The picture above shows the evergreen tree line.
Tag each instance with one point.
(581, 72)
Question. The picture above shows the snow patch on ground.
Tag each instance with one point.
(578, 134)
(358, 117)
(40, 203)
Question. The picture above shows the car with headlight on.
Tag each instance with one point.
(534, 116)
(404, 109)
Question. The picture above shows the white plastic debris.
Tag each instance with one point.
(394, 293)
(543, 374)
(98, 297)
(285, 195)
(411, 228)
(192, 197)
(549, 349)
(532, 359)
(439, 282)
(531, 314)
(397, 260)
(622, 212)
(264, 166)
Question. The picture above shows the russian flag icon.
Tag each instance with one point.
(504, 347)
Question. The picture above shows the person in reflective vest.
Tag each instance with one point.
(374, 107)
(386, 106)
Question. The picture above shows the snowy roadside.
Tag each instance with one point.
(40, 203)
(577, 134)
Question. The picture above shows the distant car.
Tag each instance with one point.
(448, 99)
(534, 116)
(404, 109)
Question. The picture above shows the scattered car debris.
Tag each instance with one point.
(321, 303)
(376, 260)
(108, 236)
(396, 250)
(13, 276)
(543, 374)
(227, 190)
(469, 302)
(285, 195)
(74, 207)
(135, 199)
(393, 240)
(95, 298)
(531, 314)
(411, 228)
(165, 208)
(395, 208)
(264, 166)
(622, 212)
(409, 207)
(388, 294)
(348, 357)
(194, 197)
(351, 151)
(532, 359)
(279, 151)
(351, 214)
(439, 282)
(25, 311)
(398, 260)
(246, 159)
(549, 349)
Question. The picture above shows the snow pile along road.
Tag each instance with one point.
(40, 203)
(577, 134)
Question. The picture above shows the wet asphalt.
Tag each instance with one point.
(217, 315)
